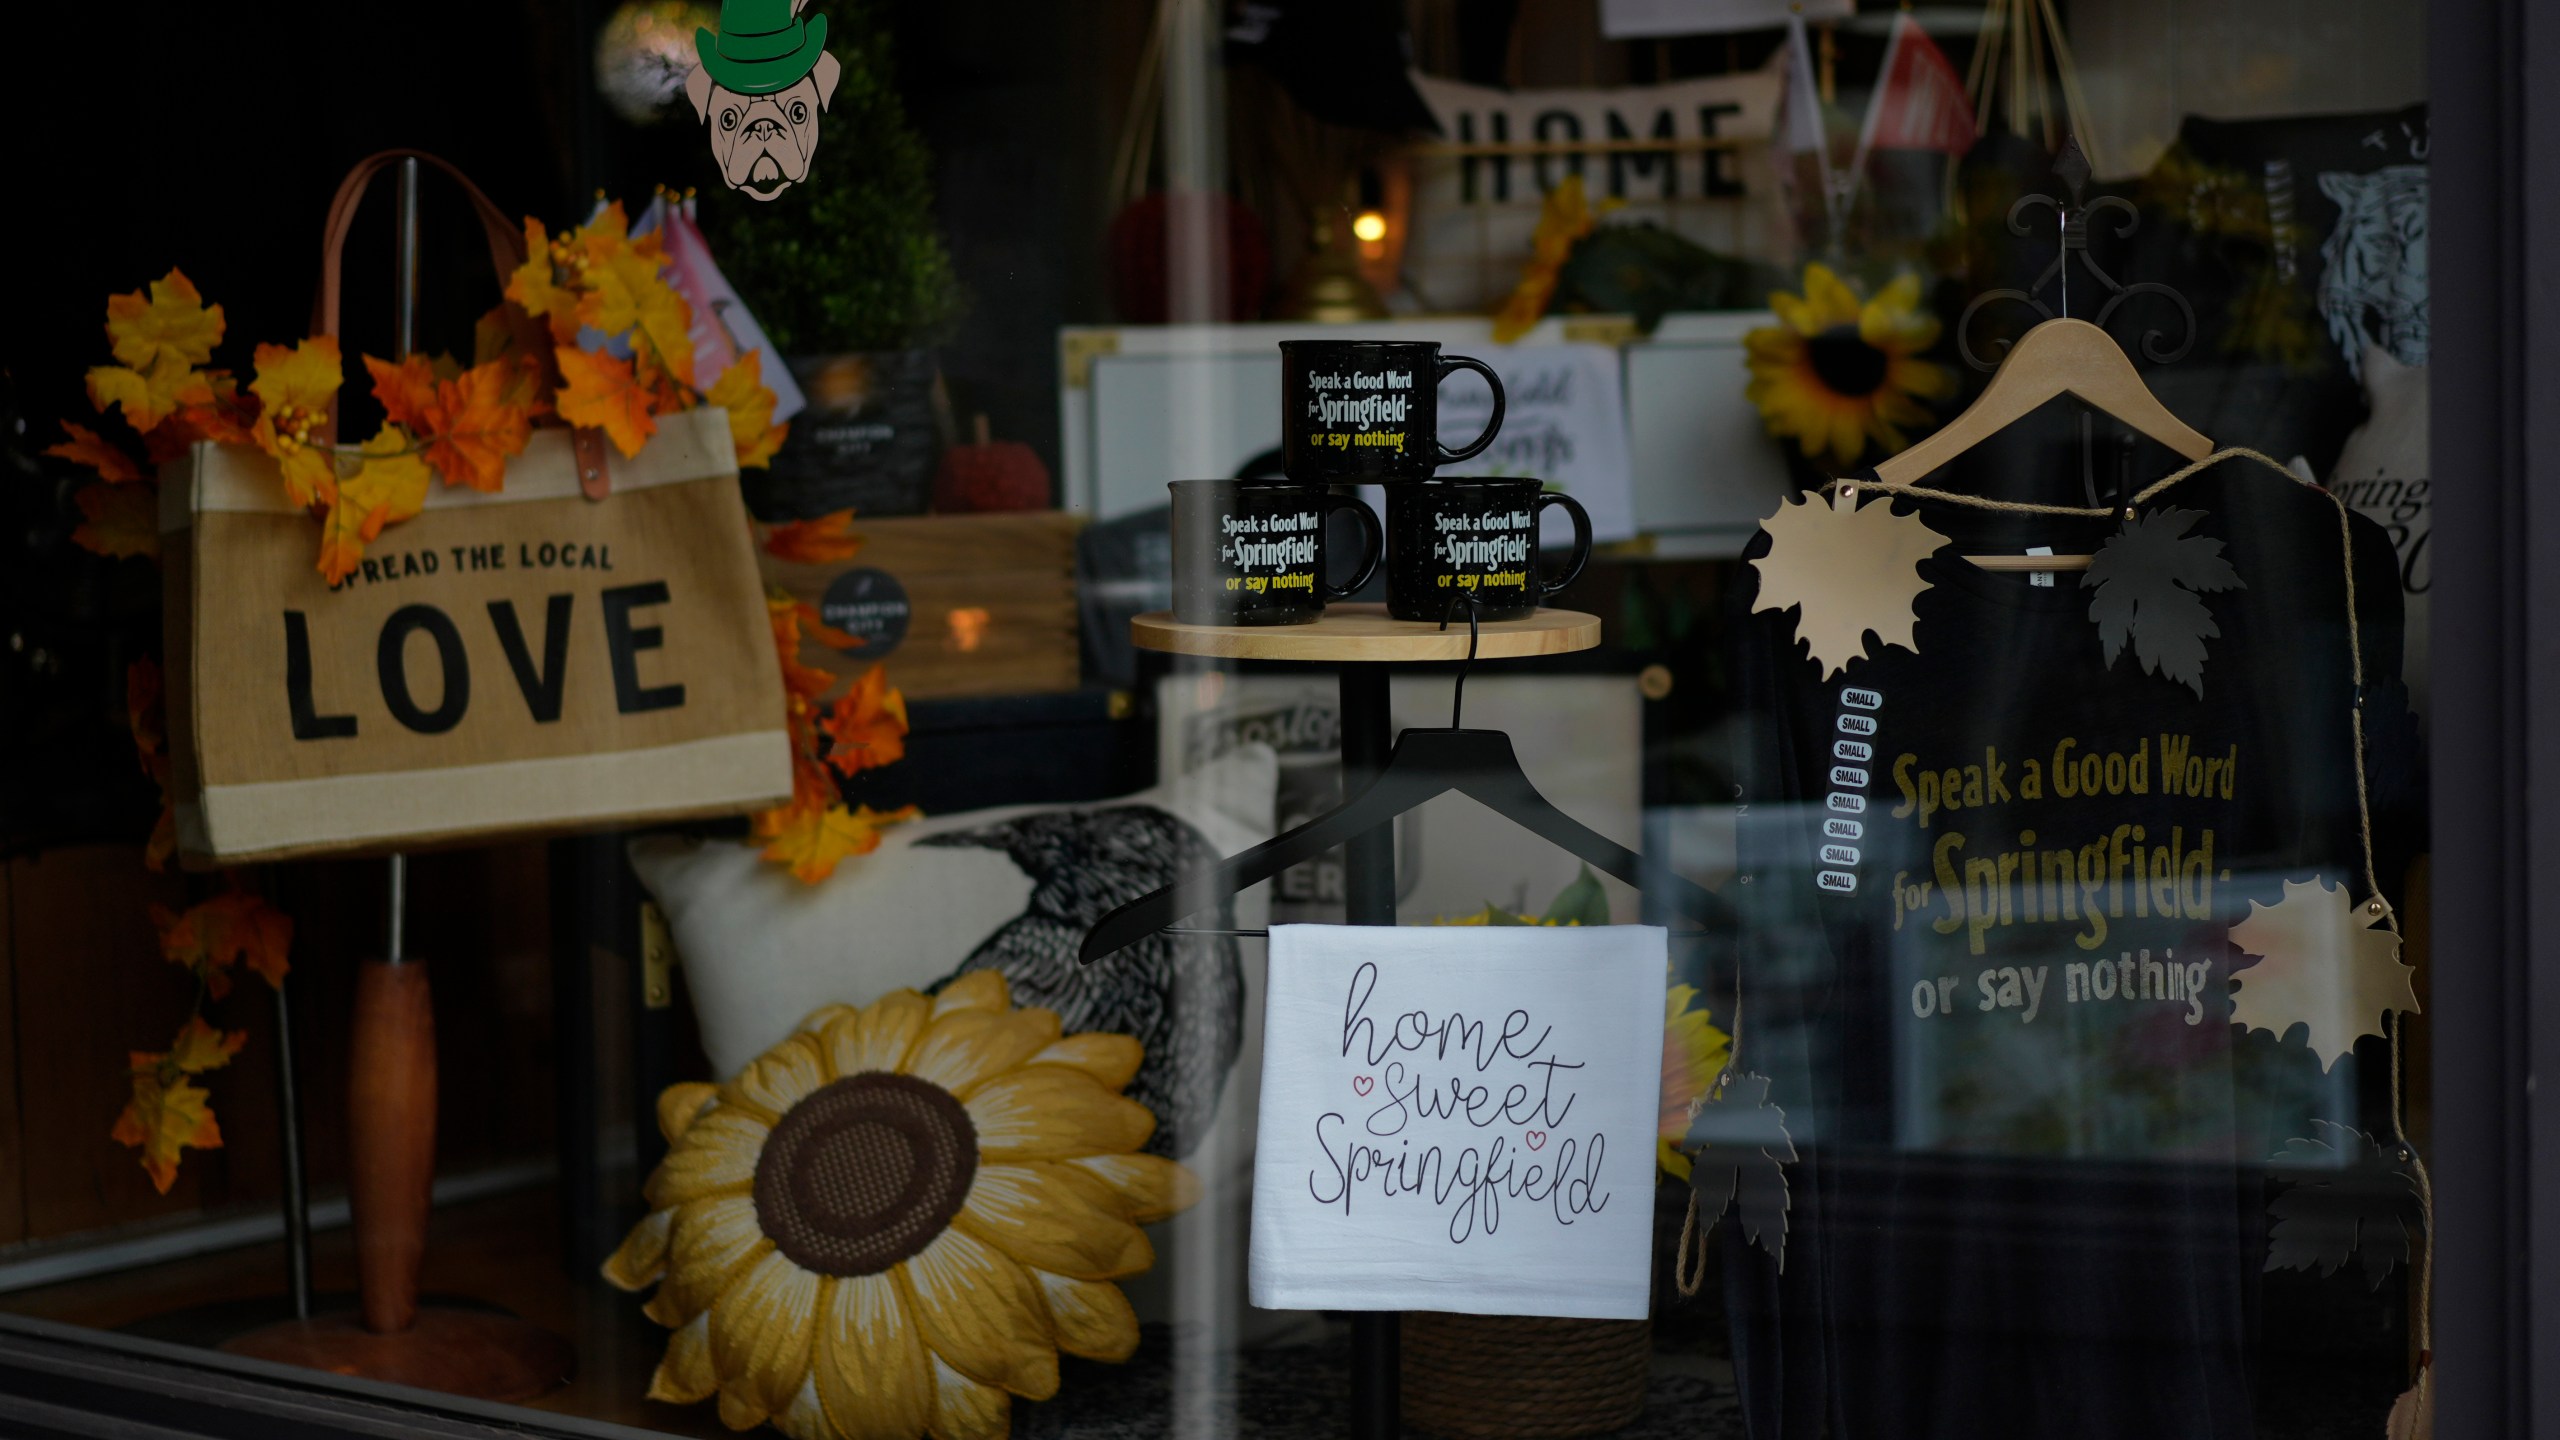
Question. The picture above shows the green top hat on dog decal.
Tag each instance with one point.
(763, 46)
(762, 81)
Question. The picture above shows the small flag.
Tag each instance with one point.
(723, 329)
(1919, 103)
(1799, 130)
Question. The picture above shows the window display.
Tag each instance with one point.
(993, 719)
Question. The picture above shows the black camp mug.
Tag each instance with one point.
(1252, 552)
(1369, 410)
(1452, 538)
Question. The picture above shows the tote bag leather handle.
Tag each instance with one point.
(506, 242)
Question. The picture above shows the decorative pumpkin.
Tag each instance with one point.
(893, 1221)
(990, 475)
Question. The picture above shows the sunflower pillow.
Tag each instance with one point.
(893, 1222)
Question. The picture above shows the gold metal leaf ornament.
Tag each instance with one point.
(2325, 962)
(1846, 569)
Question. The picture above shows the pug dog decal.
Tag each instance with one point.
(763, 80)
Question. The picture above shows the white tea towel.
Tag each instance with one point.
(1459, 1118)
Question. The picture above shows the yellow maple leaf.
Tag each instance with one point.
(481, 417)
(87, 447)
(534, 284)
(165, 1115)
(815, 842)
(1851, 570)
(296, 390)
(629, 299)
(117, 519)
(1565, 218)
(389, 486)
(199, 1047)
(827, 540)
(602, 393)
(171, 323)
(868, 726)
(741, 391)
(147, 396)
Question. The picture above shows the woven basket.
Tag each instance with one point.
(1517, 1377)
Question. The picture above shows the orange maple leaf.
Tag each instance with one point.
(827, 540)
(85, 447)
(147, 396)
(601, 392)
(119, 519)
(815, 842)
(482, 417)
(868, 726)
(813, 787)
(172, 323)
(235, 928)
(601, 238)
(296, 391)
(789, 616)
(165, 1115)
(407, 391)
(209, 408)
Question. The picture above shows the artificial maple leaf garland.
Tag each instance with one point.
(460, 424)
(167, 1111)
(863, 729)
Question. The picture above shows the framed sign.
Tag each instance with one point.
(1459, 1119)
(1690, 156)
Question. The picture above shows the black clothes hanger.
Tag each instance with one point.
(1424, 765)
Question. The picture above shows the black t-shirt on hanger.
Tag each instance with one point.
(1985, 890)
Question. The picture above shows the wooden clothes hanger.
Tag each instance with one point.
(2056, 358)
(1424, 765)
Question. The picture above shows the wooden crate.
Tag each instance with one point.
(989, 602)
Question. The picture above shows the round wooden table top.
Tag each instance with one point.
(1364, 633)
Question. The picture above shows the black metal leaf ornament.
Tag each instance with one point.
(1738, 1146)
(2350, 1196)
(2149, 578)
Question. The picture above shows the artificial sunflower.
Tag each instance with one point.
(893, 1221)
(1838, 373)
(1694, 1053)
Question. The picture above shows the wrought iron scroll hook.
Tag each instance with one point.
(2073, 216)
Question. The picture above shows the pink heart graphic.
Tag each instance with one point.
(1360, 1084)
(1537, 1139)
